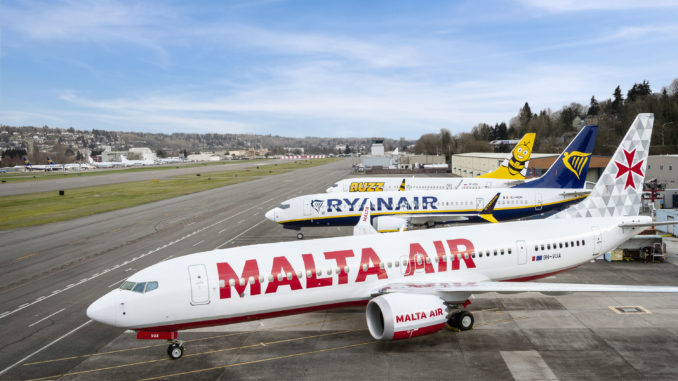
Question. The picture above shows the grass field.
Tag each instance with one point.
(13, 177)
(45, 207)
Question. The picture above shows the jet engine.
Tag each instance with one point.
(388, 223)
(401, 316)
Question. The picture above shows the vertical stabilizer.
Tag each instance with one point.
(618, 191)
(572, 166)
(364, 225)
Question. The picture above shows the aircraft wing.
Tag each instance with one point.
(576, 193)
(516, 287)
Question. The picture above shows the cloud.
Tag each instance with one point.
(561, 6)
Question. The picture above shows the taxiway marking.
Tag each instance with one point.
(261, 360)
(24, 257)
(323, 321)
(238, 236)
(196, 244)
(43, 348)
(196, 354)
(45, 318)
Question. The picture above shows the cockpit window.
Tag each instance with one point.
(150, 286)
(139, 287)
(126, 285)
(334, 185)
(284, 206)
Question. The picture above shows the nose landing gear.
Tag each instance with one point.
(176, 349)
(300, 235)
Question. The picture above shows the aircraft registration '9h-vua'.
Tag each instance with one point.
(511, 170)
(413, 283)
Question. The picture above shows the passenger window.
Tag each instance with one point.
(480, 254)
(502, 251)
(139, 287)
(542, 247)
(536, 247)
(270, 277)
(577, 241)
(150, 286)
(396, 263)
(571, 243)
(495, 252)
(561, 245)
(548, 246)
(509, 251)
(582, 242)
(566, 244)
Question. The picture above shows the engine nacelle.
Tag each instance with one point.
(401, 316)
(388, 223)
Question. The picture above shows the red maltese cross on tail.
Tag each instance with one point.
(630, 168)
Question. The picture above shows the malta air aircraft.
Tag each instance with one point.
(511, 170)
(560, 186)
(413, 283)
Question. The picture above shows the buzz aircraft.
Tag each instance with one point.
(511, 170)
(412, 283)
(562, 185)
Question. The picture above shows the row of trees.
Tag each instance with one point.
(555, 129)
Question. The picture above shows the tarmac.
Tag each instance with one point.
(51, 273)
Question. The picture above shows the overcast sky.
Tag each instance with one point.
(321, 68)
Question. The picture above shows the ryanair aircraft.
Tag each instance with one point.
(513, 169)
(561, 186)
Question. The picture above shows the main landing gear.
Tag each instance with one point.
(462, 320)
(300, 235)
(176, 349)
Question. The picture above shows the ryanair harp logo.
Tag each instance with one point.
(575, 161)
(317, 205)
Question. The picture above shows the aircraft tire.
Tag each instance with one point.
(300, 235)
(464, 320)
(175, 351)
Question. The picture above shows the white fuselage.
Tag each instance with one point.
(420, 207)
(260, 281)
(386, 184)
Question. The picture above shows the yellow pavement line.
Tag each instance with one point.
(196, 354)
(261, 360)
(185, 341)
(24, 257)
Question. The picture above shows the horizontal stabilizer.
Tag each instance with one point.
(641, 224)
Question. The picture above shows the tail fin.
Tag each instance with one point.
(618, 191)
(364, 225)
(50, 161)
(27, 163)
(90, 160)
(402, 186)
(571, 167)
(515, 166)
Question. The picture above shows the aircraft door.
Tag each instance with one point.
(522, 252)
(200, 292)
(307, 207)
(597, 241)
(480, 203)
(538, 201)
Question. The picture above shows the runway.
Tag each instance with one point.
(51, 273)
(114, 176)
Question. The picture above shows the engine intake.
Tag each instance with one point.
(389, 224)
(402, 316)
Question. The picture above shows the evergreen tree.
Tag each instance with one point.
(594, 107)
(525, 115)
(638, 90)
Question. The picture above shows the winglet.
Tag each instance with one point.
(364, 226)
(486, 213)
(402, 186)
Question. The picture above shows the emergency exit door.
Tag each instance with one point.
(522, 252)
(200, 291)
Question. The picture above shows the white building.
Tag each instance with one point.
(144, 153)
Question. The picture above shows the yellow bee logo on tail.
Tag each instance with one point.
(515, 167)
(575, 161)
(402, 186)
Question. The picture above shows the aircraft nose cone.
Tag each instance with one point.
(103, 310)
(271, 215)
